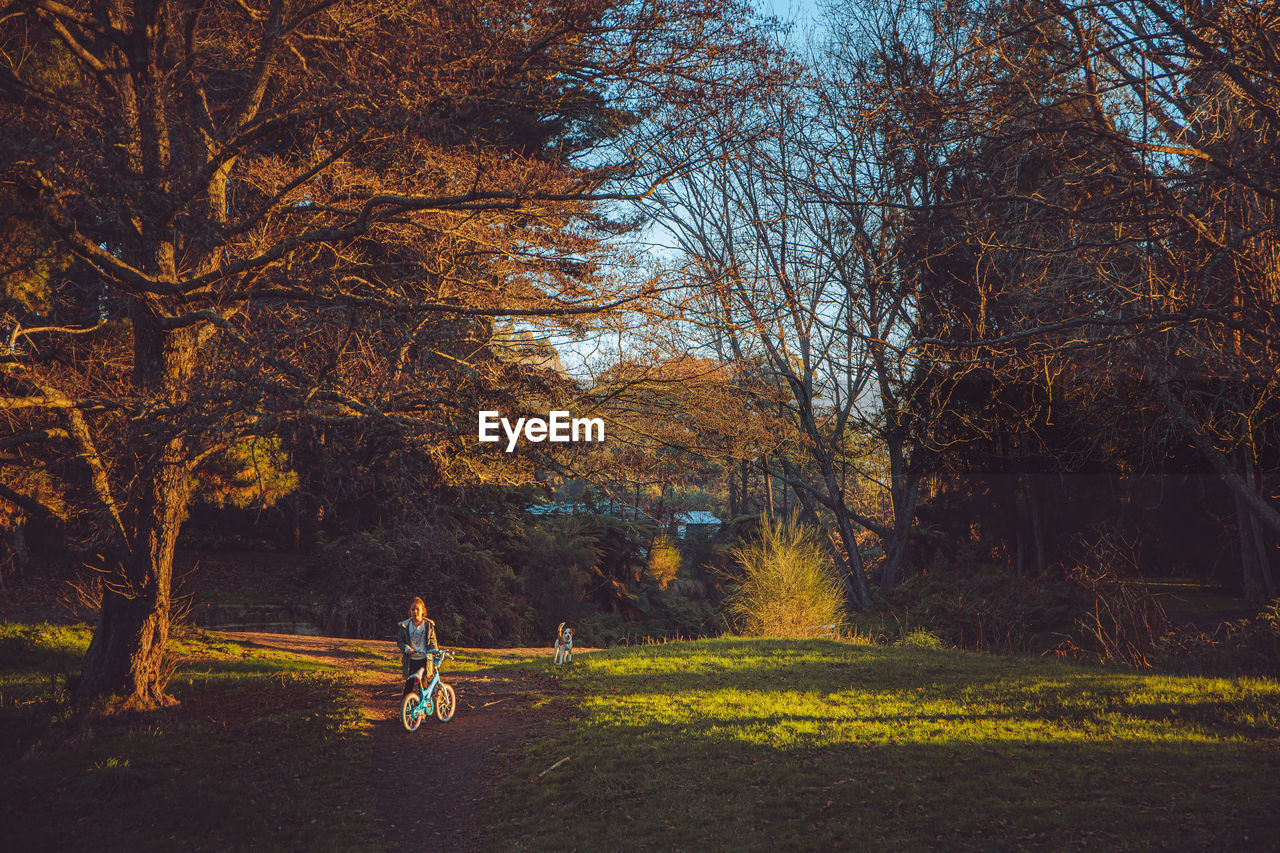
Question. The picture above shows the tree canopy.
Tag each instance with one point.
(236, 219)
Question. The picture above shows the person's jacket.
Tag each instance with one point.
(407, 664)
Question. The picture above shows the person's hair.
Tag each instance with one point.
(416, 601)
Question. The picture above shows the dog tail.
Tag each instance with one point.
(560, 630)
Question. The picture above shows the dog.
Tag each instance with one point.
(564, 644)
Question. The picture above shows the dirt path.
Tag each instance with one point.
(454, 762)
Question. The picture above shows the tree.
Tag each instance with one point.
(1028, 210)
(673, 423)
(234, 219)
(758, 295)
(797, 239)
(1143, 244)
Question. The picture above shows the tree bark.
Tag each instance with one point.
(126, 656)
(1266, 515)
(1253, 534)
(904, 512)
(1037, 522)
(768, 482)
(1264, 560)
(852, 570)
(1250, 575)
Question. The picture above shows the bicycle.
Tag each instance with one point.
(438, 697)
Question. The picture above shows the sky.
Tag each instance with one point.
(799, 11)
(575, 354)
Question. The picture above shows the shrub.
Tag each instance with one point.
(788, 585)
(555, 575)
(600, 630)
(664, 561)
(1252, 646)
(922, 639)
(979, 606)
(1123, 622)
(1249, 646)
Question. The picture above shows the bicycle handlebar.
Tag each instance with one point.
(439, 653)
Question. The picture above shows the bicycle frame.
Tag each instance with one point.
(425, 703)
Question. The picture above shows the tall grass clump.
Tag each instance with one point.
(788, 587)
(664, 561)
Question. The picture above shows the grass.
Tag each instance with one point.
(258, 755)
(813, 745)
(712, 745)
(1188, 597)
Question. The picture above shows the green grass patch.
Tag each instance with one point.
(779, 745)
(1189, 597)
(472, 661)
(257, 755)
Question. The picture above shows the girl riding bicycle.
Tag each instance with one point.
(416, 637)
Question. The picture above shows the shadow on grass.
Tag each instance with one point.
(256, 756)
(177, 793)
(690, 794)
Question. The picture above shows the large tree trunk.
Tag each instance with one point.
(904, 476)
(1265, 514)
(1037, 522)
(852, 571)
(898, 548)
(1250, 571)
(1256, 540)
(126, 656)
(1252, 509)
(1264, 561)
(854, 568)
(905, 495)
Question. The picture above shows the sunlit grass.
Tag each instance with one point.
(767, 745)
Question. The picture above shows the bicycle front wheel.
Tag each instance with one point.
(409, 712)
(446, 703)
